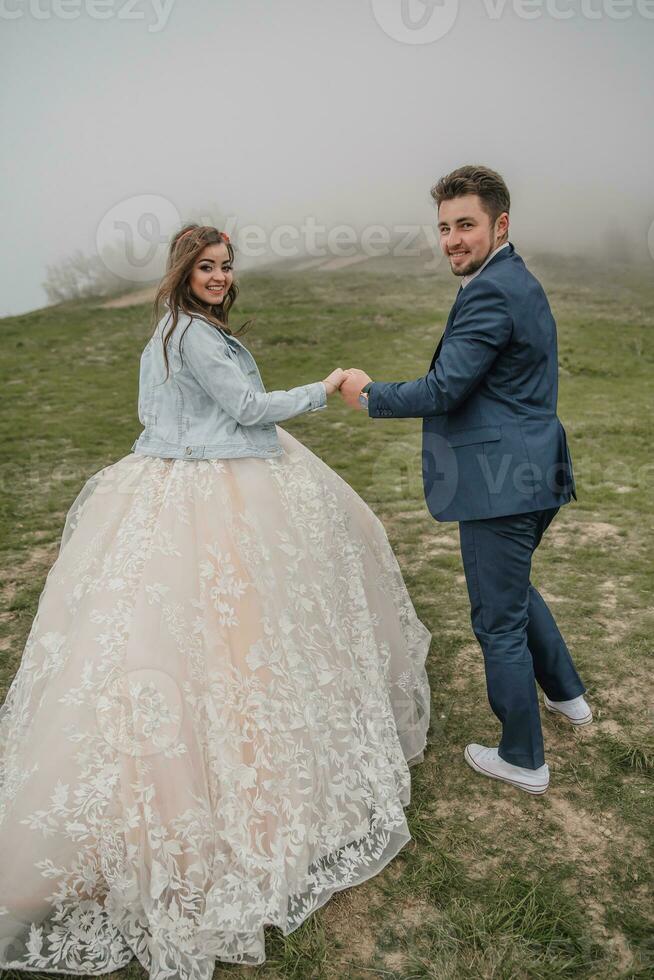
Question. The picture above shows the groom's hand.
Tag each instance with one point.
(351, 387)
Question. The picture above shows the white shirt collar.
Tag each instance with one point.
(467, 279)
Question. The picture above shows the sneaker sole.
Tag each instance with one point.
(534, 790)
(586, 720)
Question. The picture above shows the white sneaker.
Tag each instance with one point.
(488, 762)
(577, 710)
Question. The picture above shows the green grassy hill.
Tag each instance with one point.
(495, 884)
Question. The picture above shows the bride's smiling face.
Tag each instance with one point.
(212, 274)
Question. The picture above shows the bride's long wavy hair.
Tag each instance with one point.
(174, 290)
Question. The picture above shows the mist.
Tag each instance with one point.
(123, 120)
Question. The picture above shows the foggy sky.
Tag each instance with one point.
(275, 110)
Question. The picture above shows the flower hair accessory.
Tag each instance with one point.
(223, 235)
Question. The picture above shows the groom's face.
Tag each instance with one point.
(467, 235)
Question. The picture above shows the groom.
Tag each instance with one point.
(494, 458)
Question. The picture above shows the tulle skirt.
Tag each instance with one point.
(212, 723)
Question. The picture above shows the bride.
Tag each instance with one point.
(224, 685)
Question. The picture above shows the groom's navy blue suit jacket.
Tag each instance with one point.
(492, 443)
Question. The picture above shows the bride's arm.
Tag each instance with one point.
(213, 367)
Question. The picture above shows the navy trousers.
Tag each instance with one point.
(519, 638)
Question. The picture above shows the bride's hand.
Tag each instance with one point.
(334, 380)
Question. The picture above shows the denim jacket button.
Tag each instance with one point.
(188, 450)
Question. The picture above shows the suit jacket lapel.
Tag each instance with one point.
(450, 321)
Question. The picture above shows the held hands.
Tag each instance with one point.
(352, 385)
(349, 383)
(334, 380)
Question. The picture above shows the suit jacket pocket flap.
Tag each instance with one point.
(481, 433)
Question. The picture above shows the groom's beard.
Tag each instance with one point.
(471, 267)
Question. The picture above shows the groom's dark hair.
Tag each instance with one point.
(483, 181)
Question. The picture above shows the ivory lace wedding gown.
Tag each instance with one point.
(213, 720)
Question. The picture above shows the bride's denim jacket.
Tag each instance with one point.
(213, 403)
